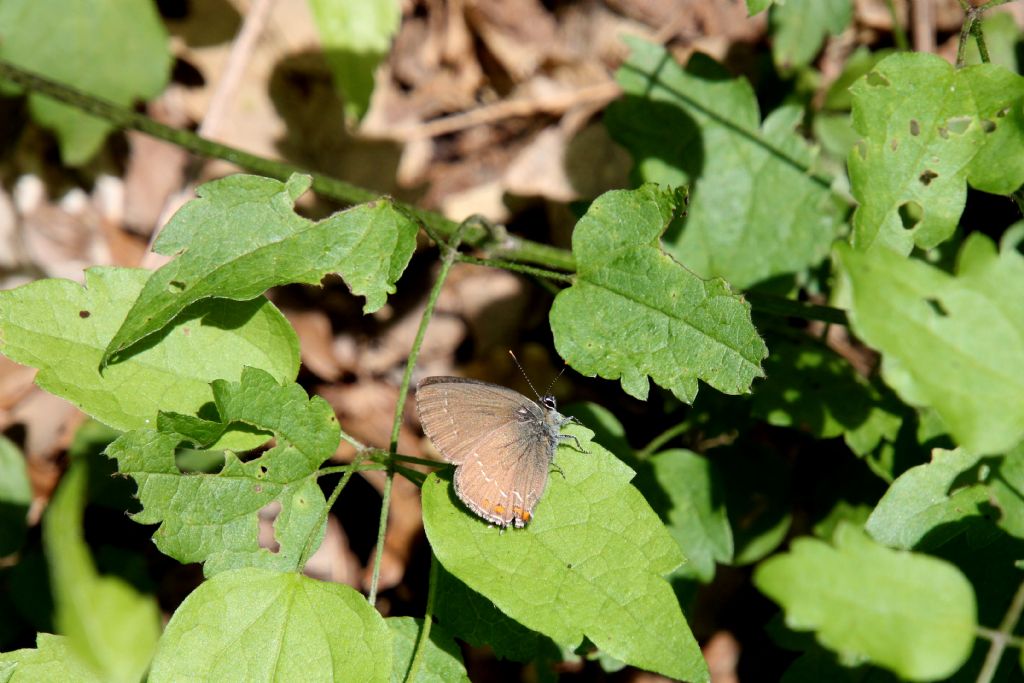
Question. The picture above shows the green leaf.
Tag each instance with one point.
(952, 343)
(912, 614)
(214, 518)
(589, 564)
(799, 27)
(108, 48)
(1001, 38)
(356, 36)
(755, 211)
(927, 505)
(658, 318)
(15, 497)
(261, 625)
(109, 625)
(61, 328)
(242, 236)
(441, 660)
(52, 661)
(1005, 486)
(810, 387)
(757, 6)
(478, 621)
(929, 129)
(686, 491)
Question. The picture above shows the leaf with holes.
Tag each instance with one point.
(214, 518)
(928, 131)
(657, 318)
(242, 236)
(954, 343)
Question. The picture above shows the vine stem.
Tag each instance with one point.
(311, 544)
(125, 118)
(1001, 637)
(451, 253)
(428, 618)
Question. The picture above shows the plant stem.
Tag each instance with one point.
(450, 255)
(899, 35)
(517, 268)
(428, 618)
(661, 439)
(124, 118)
(1001, 637)
(777, 305)
(311, 544)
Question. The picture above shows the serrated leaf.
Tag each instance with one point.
(108, 624)
(912, 614)
(111, 49)
(51, 661)
(214, 518)
(691, 498)
(15, 497)
(658, 319)
(930, 504)
(356, 36)
(928, 131)
(952, 343)
(441, 660)
(261, 625)
(61, 328)
(755, 212)
(799, 27)
(589, 564)
(242, 236)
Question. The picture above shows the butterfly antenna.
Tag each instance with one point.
(525, 376)
(548, 390)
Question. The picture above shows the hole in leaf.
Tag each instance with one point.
(862, 149)
(1002, 112)
(877, 79)
(268, 515)
(257, 489)
(988, 126)
(910, 214)
(943, 132)
(915, 127)
(894, 145)
(175, 286)
(958, 124)
(937, 307)
(84, 314)
(927, 177)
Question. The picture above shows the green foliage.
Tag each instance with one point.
(214, 518)
(659, 319)
(113, 49)
(356, 37)
(15, 497)
(912, 570)
(288, 626)
(109, 627)
(441, 660)
(799, 27)
(590, 563)
(866, 601)
(242, 237)
(62, 328)
(755, 213)
(950, 342)
(929, 129)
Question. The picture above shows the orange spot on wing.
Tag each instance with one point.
(498, 509)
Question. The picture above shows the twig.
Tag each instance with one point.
(924, 25)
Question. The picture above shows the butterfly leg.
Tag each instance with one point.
(579, 447)
(558, 469)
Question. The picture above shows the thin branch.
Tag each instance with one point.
(1001, 637)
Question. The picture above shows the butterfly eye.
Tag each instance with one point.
(549, 402)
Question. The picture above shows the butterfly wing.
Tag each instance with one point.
(497, 437)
